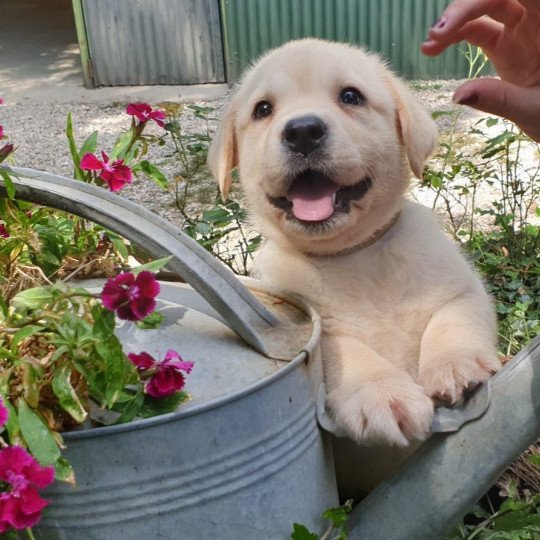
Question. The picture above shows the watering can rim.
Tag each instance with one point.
(187, 410)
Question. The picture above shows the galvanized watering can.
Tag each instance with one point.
(245, 459)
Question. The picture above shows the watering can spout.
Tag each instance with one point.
(451, 472)
(251, 319)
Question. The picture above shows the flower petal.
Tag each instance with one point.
(140, 110)
(142, 307)
(158, 117)
(114, 293)
(89, 162)
(164, 383)
(15, 459)
(24, 512)
(143, 360)
(173, 359)
(38, 475)
(147, 283)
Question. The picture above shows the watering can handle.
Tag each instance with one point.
(248, 317)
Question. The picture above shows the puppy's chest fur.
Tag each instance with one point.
(382, 295)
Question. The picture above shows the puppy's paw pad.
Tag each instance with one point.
(448, 377)
(387, 411)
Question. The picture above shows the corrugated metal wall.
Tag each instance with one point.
(393, 27)
(138, 42)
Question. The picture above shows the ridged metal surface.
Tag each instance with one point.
(138, 42)
(394, 28)
(189, 482)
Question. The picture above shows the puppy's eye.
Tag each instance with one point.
(262, 110)
(351, 96)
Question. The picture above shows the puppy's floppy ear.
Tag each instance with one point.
(223, 152)
(418, 132)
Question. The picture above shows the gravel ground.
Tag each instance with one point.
(38, 131)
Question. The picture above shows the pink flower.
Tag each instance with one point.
(167, 377)
(20, 503)
(1, 101)
(4, 414)
(144, 113)
(3, 231)
(133, 298)
(1, 132)
(116, 174)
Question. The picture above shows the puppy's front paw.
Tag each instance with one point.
(451, 373)
(392, 410)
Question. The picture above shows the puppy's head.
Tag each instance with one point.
(323, 135)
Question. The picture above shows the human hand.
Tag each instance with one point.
(509, 33)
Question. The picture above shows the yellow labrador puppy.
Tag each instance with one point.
(324, 135)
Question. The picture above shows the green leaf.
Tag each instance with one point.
(110, 350)
(76, 158)
(216, 214)
(8, 182)
(152, 321)
(121, 145)
(338, 515)
(66, 394)
(3, 307)
(24, 333)
(152, 172)
(34, 298)
(90, 145)
(132, 408)
(120, 244)
(153, 266)
(534, 459)
(64, 471)
(12, 424)
(300, 532)
(156, 406)
(39, 439)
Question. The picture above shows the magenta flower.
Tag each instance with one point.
(3, 231)
(1, 100)
(20, 503)
(4, 414)
(116, 174)
(166, 375)
(1, 132)
(133, 298)
(143, 112)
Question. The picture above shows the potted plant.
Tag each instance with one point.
(71, 360)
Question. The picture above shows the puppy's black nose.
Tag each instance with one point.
(302, 135)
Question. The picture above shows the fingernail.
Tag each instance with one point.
(439, 23)
(467, 99)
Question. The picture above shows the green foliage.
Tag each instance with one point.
(337, 517)
(515, 520)
(222, 231)
(502, 238)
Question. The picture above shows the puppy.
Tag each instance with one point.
(325, 136)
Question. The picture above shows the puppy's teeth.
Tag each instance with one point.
(334, 198)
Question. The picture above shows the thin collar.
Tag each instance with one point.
(375, 237)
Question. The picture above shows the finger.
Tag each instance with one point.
(531, 4)
(460, 12)
(483, 32)
(520, 105)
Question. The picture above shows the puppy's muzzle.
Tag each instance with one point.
(304, 134)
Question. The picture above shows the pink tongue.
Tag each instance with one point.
(314, 204)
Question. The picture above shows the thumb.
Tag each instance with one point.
(518, 104)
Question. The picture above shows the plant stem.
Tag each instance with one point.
(30, 534)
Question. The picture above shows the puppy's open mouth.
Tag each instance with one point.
(314, 197)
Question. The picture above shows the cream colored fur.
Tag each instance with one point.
(405, 320)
